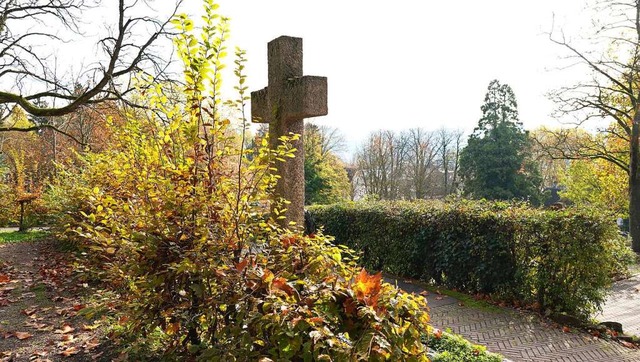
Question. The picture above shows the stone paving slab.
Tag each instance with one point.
(623, 305)
(520, 336)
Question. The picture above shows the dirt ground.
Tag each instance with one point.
(41, 307)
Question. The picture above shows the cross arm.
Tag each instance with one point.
(304, 97)
(260, 106)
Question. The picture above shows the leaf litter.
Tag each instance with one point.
(41, 307)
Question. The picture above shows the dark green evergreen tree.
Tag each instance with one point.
(494, 164)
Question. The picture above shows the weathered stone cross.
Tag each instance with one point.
(284, 104)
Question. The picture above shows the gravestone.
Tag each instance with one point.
(288, 99)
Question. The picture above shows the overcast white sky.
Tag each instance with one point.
(406, 63)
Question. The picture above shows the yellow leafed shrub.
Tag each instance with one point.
(173, 218)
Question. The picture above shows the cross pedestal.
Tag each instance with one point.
(289, 98)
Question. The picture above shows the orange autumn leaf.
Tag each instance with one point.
(367, 287)
(28, 312)
(241, 265)
(566, 329)
(4, 278)
(66, 328)
(219, 273)
(69, 351)
(268, 276)
(288, 241)
(91, 344)
(350, 307)
(437, 334)
(281, 284)
(23, 335)
(173, 328)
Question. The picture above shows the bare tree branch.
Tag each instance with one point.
(27, 76)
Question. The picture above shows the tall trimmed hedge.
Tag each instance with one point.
(560, 260)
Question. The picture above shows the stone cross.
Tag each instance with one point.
(289, 98)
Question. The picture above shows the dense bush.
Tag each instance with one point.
(448, 347)
(560, 261)
(172, 218)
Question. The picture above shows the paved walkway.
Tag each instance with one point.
(523, 336)
(623, 305)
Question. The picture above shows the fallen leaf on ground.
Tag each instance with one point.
(69, 351)
(66, 338)
(77, 307)
(40, 354)
(28, 311)
(22, 335)
(566, 329)
(90, 328)
(4, 278)
(93, 343)
(66, 328)
(628, 344)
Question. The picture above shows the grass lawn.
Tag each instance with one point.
(21, 236)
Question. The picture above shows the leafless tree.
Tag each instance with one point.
(414, 164)
(381, 164)
(421, 161)
(30, 32)
(611, 95)
(450, 144)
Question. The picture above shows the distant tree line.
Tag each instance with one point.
(412, 164)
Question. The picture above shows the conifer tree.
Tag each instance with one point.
(494, 164)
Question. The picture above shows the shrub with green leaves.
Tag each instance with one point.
(560, 261)
(172, 217)
(449, 347)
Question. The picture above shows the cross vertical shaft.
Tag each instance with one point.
(288, 99)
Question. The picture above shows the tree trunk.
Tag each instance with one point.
(21, 226)
(634, 185)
